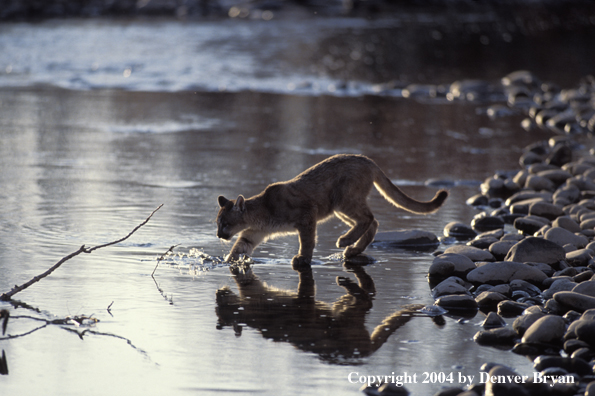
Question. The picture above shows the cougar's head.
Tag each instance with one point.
(230, 219)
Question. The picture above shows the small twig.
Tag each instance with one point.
(109, 311)
(7, 296)
(171, 249)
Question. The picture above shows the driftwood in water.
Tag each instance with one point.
(8, 295)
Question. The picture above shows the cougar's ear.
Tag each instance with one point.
(222, 200)
(240, 204)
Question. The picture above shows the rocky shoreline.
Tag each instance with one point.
(529, 253)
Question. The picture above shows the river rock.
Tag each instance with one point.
(497, 336)
(579, 258)
(511, 308)
(471, 252)
(523, 322)
(588, 224)
(562, 237)
(568, 193)
(449, 286)
(501, 248)
(489, 300)
(407, 238)
(534, 249)
(567, 223)
(539, 183)
(450, 264)
(590, 390)
(529, 225)
(457, 303)
(459, 230)
(528, 195)
(571, 365)
(492, 321)
(545, 209)
(504, 272)
(546, 330)
(563, 284)
(557, 175)
(578, 302)
(585, 331)
(482, 242)
(586, 288)
(486, 223)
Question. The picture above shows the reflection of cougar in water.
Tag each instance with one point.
(335, 332)
(337, 186)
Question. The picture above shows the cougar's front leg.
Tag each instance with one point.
(307, 235)
(245, 244)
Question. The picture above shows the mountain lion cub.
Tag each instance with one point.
(337, 186)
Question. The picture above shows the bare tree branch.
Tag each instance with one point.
(7, 296)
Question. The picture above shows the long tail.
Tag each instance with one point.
(394, 195)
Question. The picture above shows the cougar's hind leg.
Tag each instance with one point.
(363, 242)
(359, 221)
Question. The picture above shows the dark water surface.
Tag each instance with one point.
(86, 164)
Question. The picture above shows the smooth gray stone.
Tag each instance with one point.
(547, 330)
(578, 302)
(471, 252)
(504, 272)
(534, 249)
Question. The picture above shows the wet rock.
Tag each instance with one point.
(585, 331)
(539, 183)
(522, 207)
(407, 238)
(501, 248)
(492, 321)
(567, 223)
(545, 209)
(534, 249)
(450, 264)
(486, 223)
(579, 258)
(563, 284)
(489, 300)
(572, 345)
(457, 303)
(529, 225)
(504, 272)
(510, 309)
(459, 230)
(590, 390)
(586, 288)
(546, 330)
(449, 286)
(529, 196)
(471, 252)
(585, 354)
(571, 365)
(478, 200)
(523, 322)
(519, 284)
(568, 193)
(483, 242)
(512, 237)
(562, 237)
(578, 302)
(556, 175)
(498, 336)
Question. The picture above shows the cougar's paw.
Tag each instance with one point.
(300, 261)
(352, 252)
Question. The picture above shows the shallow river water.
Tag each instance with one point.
(94, 139)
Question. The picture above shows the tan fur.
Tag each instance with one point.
(337, 186)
